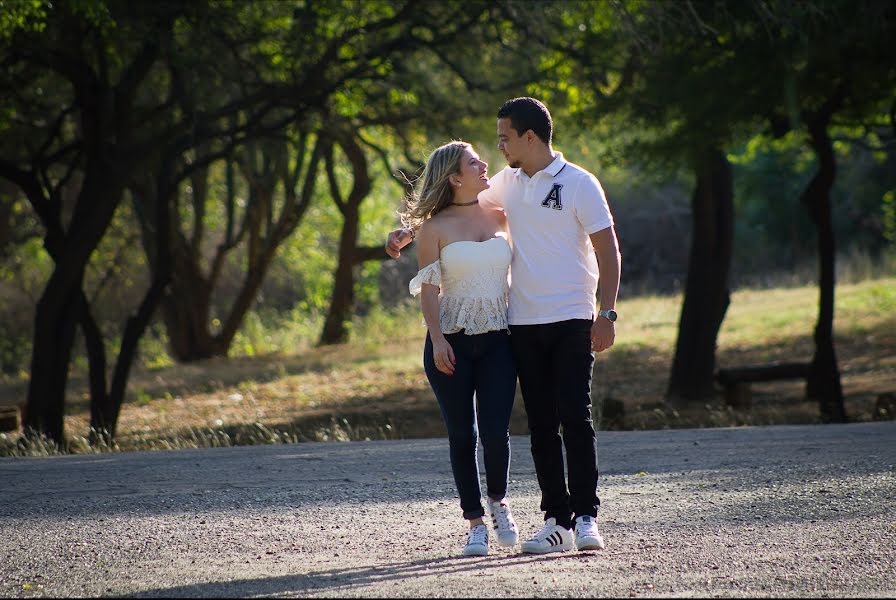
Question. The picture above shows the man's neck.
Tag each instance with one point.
(539, 162)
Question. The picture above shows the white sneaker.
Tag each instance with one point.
(552, 538)
(587, 535)
(477, 541)
(503, 524)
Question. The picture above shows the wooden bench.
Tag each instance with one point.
(737, 381)
(9, 418)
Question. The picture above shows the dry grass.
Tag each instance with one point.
(376, 389)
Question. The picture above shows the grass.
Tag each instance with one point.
(375, 388)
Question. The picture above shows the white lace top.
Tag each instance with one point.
(472, 277)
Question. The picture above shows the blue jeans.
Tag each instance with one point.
(485, 367)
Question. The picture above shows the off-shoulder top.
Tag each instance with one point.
(473, 285)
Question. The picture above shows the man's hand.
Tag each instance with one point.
(397, 240)
(603, 334)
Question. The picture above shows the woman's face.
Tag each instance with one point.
(471, 173)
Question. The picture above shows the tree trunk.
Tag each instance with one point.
(8, 192)
(187, 308)
(138, 322)
(706, 295)
(59, 308)
(823, 382)
(96, 360)
(335, 329)
(105, 404)
(55, 320)
(186, 311)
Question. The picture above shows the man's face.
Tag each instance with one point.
(514, 147)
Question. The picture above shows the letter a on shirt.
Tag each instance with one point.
(553, 198)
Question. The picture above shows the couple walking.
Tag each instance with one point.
(544, 219)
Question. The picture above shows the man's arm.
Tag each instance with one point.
(606, 247)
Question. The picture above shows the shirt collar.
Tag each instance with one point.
(552, 169)
(556, 166)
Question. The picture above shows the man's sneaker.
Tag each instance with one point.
(503, 524)
(587, 535)
(477, 541)
(552, 538)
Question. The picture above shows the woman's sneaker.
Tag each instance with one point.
(503, 524)
(477, 541)
(552, 538)
(587, 535)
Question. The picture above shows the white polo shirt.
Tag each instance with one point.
(554, 271)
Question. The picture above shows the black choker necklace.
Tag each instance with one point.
(465, 203)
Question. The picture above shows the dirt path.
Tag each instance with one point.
(792, 510)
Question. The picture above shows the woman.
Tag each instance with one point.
(464, 255)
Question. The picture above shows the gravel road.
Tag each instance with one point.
(760, 511)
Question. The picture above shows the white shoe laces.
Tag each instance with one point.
(586, 528)
(503, 517)
(478, 536)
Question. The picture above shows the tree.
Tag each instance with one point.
(94, 133)
(270, 166)
(350, 254)
(687, 80)
(842, 71)
(110, 90)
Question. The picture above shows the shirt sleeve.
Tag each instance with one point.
(493, 197)
(591, 206)
(431, 273)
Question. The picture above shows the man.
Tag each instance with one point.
(559, 219)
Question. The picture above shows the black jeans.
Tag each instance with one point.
(485, 367)
(554, 362)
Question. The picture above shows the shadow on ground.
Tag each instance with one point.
(336, 581)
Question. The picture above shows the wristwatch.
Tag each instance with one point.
(609, 314)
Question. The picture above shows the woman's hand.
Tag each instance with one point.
(443, 355)
(397, 240)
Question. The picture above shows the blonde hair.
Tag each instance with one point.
(435, 193)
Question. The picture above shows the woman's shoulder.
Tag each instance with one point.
(430, 226)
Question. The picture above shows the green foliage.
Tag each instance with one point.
(22, 15)
(28, 267)
(888, 205)
(308, 259)
(96, 13)
(15, 347)
(772, 228)
(154, 349)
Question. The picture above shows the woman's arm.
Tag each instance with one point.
(428, 253)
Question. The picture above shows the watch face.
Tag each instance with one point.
(611, 314)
